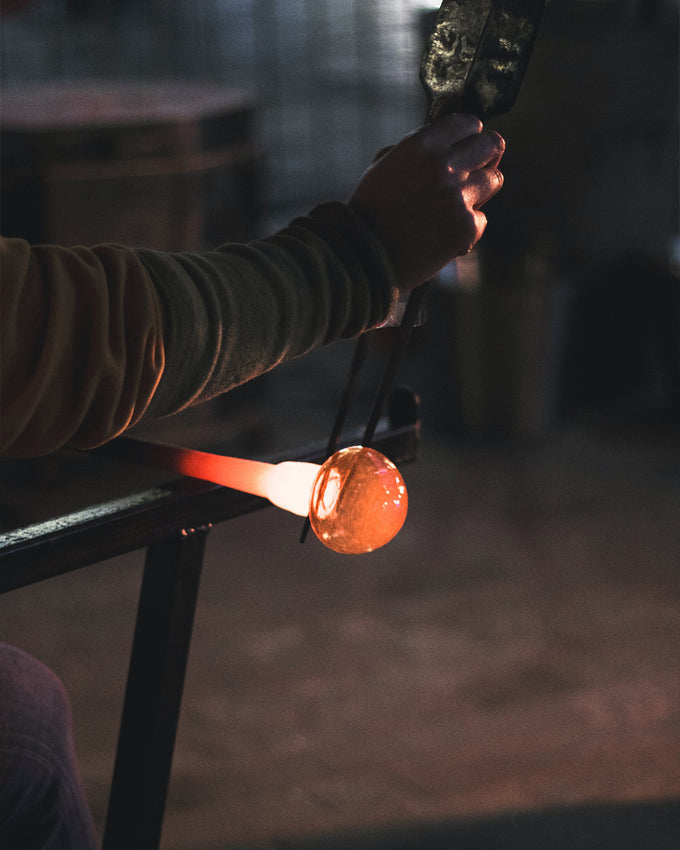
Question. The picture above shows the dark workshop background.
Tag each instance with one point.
(504, 674)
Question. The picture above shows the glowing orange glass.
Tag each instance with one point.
(356, 500)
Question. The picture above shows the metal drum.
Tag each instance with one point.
(167, 165)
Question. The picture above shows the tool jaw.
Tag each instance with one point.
(450, 52)
(477, 55)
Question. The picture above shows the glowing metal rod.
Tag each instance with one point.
(357, 500)
(287, 485)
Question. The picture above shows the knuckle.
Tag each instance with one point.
(456, 202)
(470, 121)
(475, 227)
(497, 140)
(474, 233)
(467, 231)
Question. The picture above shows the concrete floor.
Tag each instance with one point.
(504, 674)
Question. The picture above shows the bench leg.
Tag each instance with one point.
(154, 691)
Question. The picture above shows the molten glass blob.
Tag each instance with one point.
(358, 501)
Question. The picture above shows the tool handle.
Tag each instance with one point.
(411, 315)
(359, 357)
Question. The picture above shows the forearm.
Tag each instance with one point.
(236, 312)
(81, 341)
(95, 339)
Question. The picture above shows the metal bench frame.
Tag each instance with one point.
(171, 523)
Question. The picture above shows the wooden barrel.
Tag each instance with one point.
(168, 165)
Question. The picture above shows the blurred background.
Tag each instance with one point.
(505, 671)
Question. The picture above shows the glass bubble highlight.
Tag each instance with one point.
(358, 502)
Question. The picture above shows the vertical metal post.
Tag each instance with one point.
(154, 691)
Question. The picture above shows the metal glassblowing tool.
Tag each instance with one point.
(474, 61)
(477, 55)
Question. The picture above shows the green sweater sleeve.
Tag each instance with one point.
(236, 312)
(94, 339)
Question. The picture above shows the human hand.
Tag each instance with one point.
(423, 197)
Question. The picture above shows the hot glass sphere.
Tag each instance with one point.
(358, 501)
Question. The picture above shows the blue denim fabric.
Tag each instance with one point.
(42, 803)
